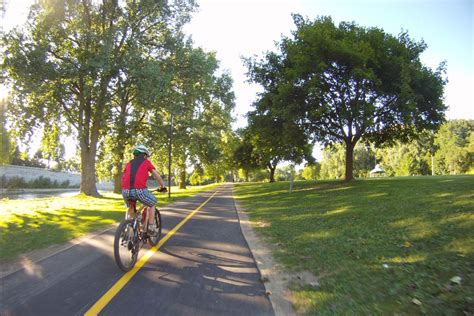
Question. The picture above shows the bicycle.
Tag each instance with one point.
(132, 234)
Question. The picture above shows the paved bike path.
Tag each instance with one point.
(205, 268)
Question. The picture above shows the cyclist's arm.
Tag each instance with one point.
(158, 178)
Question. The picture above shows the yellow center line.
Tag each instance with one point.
(109, 295)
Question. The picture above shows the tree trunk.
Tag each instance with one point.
(182, 178)
(118, 164)
(90, 124)
(432, 165)
(292, 178)
(118, 167)
(119, 150)
(88, 180)
(118, 178)
(272, 172)
(349, 161)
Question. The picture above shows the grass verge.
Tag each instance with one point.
(38, 223)
(378, 246)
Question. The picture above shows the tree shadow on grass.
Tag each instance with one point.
(41, 229)
(50, 221)
(378, 245)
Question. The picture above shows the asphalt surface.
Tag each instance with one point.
(205, 268)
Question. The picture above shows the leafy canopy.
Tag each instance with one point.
(70, 62)
(342, 83)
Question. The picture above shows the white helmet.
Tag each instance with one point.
(141, 149)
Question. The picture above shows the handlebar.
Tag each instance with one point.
(161, 190)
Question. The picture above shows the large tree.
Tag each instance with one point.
(342, 83)
(274, 138)
(200, 101)
(71, 55)
(135, 102)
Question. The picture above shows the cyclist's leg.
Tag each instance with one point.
(127, 196)
(148, 199)
(151, 218)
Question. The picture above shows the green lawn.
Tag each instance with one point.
(37, 223)
(383, 246)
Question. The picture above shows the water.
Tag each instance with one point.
(39, 194)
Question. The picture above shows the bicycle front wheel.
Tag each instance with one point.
(125, 247)
(154, 237)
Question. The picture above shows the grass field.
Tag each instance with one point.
(37, 223)
(383, 246)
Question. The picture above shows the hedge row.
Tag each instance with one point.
(38, 183)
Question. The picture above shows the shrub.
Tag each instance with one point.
(16, 182)
(38, 183)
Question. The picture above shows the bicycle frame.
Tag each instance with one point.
(137, 221)
(139, 216)
(136, 218)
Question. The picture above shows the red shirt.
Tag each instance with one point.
(136, 173)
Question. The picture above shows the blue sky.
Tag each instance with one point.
(249, 27)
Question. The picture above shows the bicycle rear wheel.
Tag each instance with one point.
(154, 238)
(125, 247)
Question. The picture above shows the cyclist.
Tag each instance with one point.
(134, 185)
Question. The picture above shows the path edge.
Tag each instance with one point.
(272, 273)
(35, 256)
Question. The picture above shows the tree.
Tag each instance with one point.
(243, 155)
(455, 153)
(5, 141)
(200, 101)
(136, 99)
(470, 149)
(228, 146)
(332, 166)
(70, 56)
(426, 142)
(364, 160)
(342, 83)
(51, 147)
(311, 171)
(275, 139)
(404, 159)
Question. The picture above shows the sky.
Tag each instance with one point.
(246, 28)
(249, 28)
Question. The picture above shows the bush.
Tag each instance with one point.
(38, 183)
(195, 179)
(16, 182)
(41, 182)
